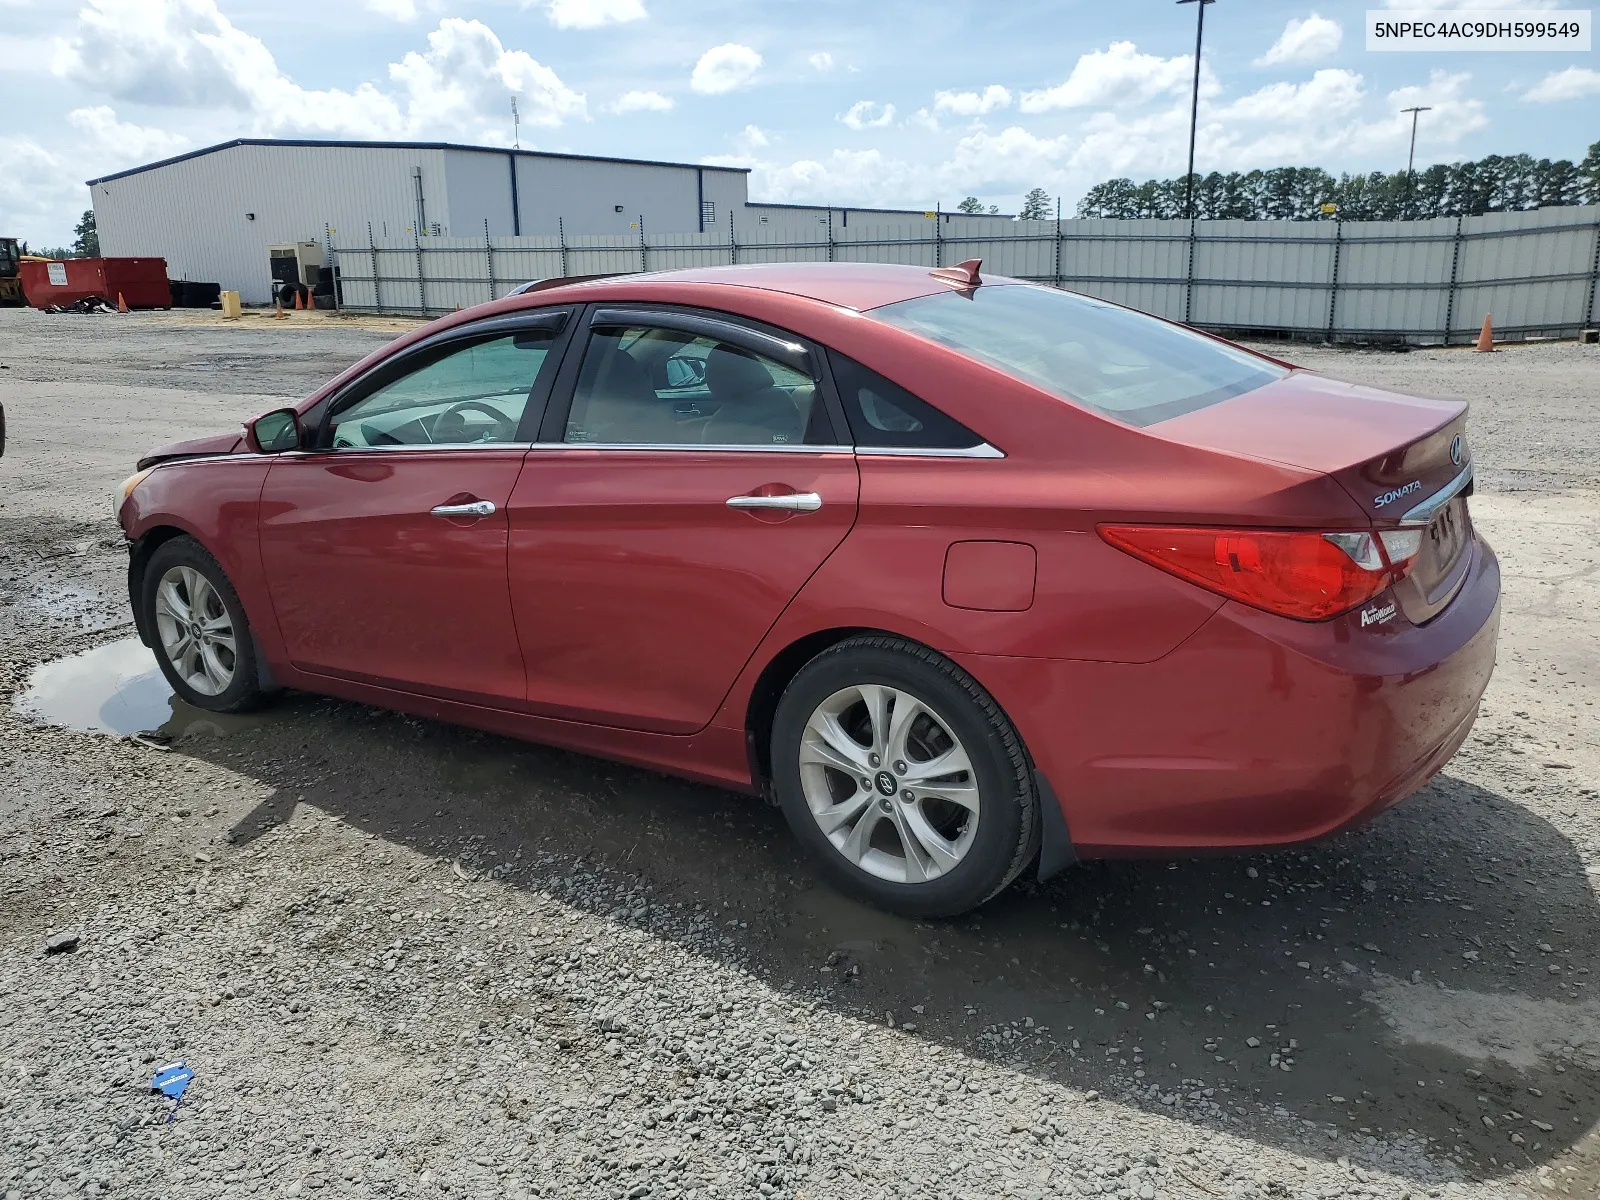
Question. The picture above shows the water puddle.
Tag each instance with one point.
(118, 689)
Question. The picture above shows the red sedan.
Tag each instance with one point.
(967, 575)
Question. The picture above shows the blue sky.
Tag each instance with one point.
(887, 102)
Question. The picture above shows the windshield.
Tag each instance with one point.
(1118, 362)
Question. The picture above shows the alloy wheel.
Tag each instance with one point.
(889, 783)
(196, 631)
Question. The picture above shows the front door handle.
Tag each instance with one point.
(793, 502)
(478, 508)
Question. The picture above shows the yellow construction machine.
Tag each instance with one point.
(10, 266)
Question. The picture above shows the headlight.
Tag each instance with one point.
(125, 489)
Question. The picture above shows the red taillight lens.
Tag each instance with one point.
(1309, 576)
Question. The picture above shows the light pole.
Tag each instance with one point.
(1412, 157)
(1194, 104)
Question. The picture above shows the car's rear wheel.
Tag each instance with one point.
(903, 778)
(198, 629)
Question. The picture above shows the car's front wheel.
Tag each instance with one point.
(198, 629)
(903, 778)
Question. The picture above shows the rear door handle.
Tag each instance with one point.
(793, 502)
(478, 508)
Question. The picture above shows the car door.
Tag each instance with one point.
(689, 480)
(384, 540)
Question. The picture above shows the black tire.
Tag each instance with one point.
(244, 692)
(1007, 834)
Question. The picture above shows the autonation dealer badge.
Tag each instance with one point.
(1478, 29)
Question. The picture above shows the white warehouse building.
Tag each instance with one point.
(212, 213)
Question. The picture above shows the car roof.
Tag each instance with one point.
(858, 286)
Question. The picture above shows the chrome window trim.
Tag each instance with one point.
(720, 448)
(984, 450)
(981, 450)
(455, 447)
(1424, 512)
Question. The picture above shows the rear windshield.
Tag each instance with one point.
(1118, 362)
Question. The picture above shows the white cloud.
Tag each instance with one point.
(1571, 84)
(591, 14)
(182, 53)
(462, 81)
(725, 68)
(399, 10)
(1119, 75)
(923, 119)
(1303, 40)
(972, 104)
(821, 61)
(753, 137)
(187, 54)
(1450, 4)
(868, 114)
(1455, 113)
(121, 142)
(1331, 91)
(642, 102)
(42, 191)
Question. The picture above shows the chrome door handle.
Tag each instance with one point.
(793, 502)
(478, 508)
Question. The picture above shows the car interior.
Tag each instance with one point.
(654, 386)
(473, 394)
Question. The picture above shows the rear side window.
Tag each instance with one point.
(1121, 363)
(884, 415)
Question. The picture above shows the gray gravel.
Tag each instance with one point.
(409, 959)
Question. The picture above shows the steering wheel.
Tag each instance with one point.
(449, 427)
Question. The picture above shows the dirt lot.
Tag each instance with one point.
(408, 959)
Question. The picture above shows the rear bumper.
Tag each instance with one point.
(1256, 731)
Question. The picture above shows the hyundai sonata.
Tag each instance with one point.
(968, 575)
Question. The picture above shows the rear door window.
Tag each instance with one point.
(1118, 362)
(646, 385)
(884, 416)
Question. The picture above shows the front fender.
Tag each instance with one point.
(217, 502)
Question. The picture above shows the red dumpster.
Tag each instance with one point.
(142, 282)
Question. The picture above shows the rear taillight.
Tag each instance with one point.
(1307, 575)
(1400, 547)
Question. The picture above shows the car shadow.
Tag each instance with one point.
(1420, 981)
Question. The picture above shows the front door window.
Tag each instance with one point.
(472, 395)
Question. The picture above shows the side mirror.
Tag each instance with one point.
(276, 432)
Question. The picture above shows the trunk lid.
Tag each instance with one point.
(1403, 459)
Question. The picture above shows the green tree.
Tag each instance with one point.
(1495, 183)
(1113, 198)
(970, 205)
(87, 244)
(1589, 173)
(1037, 206)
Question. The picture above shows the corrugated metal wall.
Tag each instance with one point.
(1422, 281)
(213, 216)
(805, 221)
(196, 213)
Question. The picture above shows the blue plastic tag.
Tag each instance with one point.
(172, 1079)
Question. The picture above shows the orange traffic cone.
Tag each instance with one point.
(122, 305)
(277, 315)
(1486, 336)
(297, 305)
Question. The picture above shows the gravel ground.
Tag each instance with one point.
(408, 959)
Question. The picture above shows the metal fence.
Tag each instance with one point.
(1428, 281)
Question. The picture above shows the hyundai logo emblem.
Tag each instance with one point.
(1456, 450)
